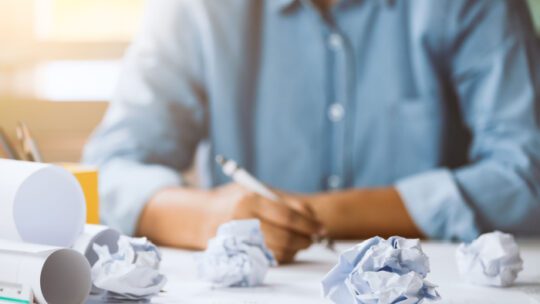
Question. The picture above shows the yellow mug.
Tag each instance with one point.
(88, 178)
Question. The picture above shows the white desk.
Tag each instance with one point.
(300, 283)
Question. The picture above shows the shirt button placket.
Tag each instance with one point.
(335, 41)
(334, 182)
(336, 114)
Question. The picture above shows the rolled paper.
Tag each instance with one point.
(96, 234)
(40, 203)
(99, 235)
(55, 275)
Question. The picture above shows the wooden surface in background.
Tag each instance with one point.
(60, 128)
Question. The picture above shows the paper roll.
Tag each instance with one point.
(96, 234)
(40, 203)
(55, 275)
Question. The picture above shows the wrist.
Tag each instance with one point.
(214, 213)
(179, 217)
(210, 215)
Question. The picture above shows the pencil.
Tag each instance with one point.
(6, 145)
(28, 143)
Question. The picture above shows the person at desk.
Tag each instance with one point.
(374, 117)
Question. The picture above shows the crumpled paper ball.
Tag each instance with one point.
(237, 256)
(492, 259)
(381, 271)
(130, 274)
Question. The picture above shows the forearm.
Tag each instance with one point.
(188, 218)
(362, 213)
(178, 217)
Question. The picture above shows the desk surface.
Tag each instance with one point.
(300, 282)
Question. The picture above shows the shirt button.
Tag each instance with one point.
(335, 41)
(336, 112)
(334, 182)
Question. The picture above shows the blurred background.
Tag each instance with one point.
(59, 63)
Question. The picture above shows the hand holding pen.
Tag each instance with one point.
(242, 177)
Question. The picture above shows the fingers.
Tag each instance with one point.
(288, 225)
(283, 244)
(282, 239)
(283, 215)
(284, 257)
(300, 207)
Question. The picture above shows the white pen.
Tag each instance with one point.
(242, 177)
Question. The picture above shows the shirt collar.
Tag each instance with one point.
(282, 5)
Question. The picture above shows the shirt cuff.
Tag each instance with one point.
(437, 206)
(126, 187)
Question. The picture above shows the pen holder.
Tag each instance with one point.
(88, 178)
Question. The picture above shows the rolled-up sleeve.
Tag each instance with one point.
(156, 119)
(494, 66)
(443, 213)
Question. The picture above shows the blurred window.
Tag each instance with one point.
(76, 80)
(87, 20)
(64, 50)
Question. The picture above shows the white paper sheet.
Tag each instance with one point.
(40, 203)
(55, 275)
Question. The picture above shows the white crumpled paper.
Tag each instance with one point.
(492, 259)
(131, 274)
(237, 256)
(381, 271)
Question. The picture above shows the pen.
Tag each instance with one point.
(242, 177)
(7, 146)
(28, 143)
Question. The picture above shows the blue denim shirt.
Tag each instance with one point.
(438, 98)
